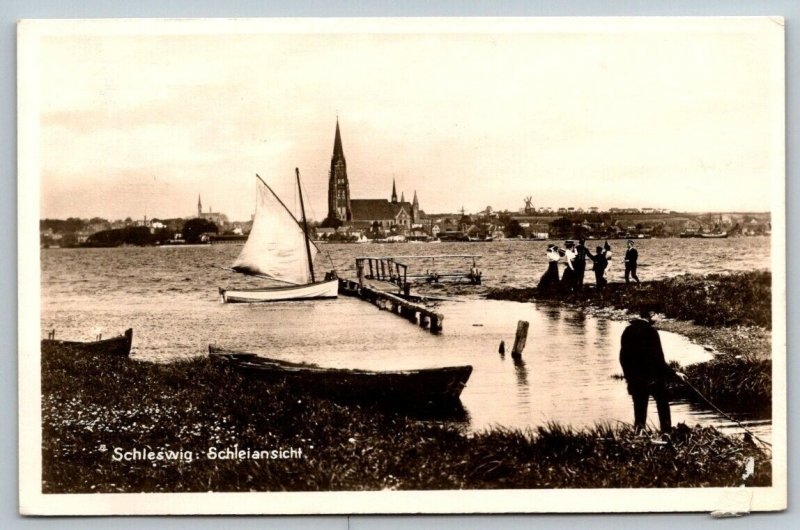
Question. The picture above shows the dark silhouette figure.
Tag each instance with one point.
(581, 253)
(645, 370)
(631, 258)
(549, 280)
(569, 279)
(599, 267)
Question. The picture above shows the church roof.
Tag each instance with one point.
(406, 205)
(371, 209)
(374, 209)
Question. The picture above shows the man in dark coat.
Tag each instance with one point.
(580, 262)
(600, 264)
(645, 370)
(631, 257)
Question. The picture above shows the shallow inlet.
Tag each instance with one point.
(169, 297)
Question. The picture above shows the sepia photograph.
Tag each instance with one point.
(443, 265)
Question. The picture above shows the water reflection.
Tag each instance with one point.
(576, 319)
(523, 388)
(522, 373)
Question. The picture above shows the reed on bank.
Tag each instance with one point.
(94, 408)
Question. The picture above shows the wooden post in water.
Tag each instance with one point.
(519, 339)
(502, 349)
(371, 274)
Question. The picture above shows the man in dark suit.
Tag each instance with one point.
(645, 370)
(631, 257)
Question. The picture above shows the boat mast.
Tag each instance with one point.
(305, 224)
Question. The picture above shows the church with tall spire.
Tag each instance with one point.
(366, 214)
(339, 209)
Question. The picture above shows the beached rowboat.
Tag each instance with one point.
(120, 345)
(423, 386)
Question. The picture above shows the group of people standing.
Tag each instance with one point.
(575, 257)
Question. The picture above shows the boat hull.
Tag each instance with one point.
(406, 387)
(120, 346)
(312, 291)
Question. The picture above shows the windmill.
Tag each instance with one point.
(528, 205)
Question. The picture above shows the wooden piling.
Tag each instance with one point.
(520, 338)
(436, 323)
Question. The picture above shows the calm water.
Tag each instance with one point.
(169, 296)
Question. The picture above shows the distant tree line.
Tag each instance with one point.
(192, 232)
(68, 231)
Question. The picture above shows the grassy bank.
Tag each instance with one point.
(731, 314)
(96, 408)
(741, 299)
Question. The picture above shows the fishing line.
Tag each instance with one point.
(748, 431)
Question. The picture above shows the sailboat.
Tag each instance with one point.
(278, 248)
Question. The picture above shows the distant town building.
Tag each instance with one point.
(219, 219)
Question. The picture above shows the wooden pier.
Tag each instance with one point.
(412, 312)
(391, 269)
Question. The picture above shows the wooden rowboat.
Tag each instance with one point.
(120, 345)
(409, 387)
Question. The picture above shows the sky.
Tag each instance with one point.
(133, 119)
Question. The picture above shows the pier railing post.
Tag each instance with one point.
(360, 271)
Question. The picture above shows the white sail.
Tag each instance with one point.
(276, 246)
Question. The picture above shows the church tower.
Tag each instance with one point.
(199, 206)
(338, 186)
(394, 193)
(415, 209)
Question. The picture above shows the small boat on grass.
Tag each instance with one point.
(428, 386)
(119, 346)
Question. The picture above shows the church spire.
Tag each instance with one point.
(338, 187)
(338, 151)
(402, 197)
(415, 202)
(199, 206)
(394, 193)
